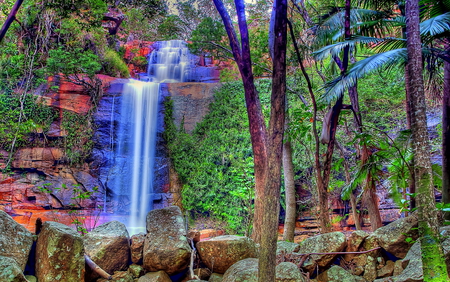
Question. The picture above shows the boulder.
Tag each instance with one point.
(221, 252)
(354, 241)
(392, 237)
(285, 247)
(15, 240)
(324, 243)
(245, 270)
(201, 273)
(10, 270)
(216, 277)
(108, 246)
(137, 246)
(119, 276)
(386, 270)
(136, 270)
(159, 276)
(338, 274)
(166, 247)
(288, 272)
(59, 254)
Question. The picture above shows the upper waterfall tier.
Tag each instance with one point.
(170, 62)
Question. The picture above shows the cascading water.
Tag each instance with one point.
(135, 152)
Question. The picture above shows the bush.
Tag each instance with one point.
(113, 64)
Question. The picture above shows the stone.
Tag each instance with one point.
(108, 246)
(31, 278)
(136, 270)
(59, 254)
(216, 277)
(412, 264)
(41, 158)
(201, 273)
(323, 243)
(159, 276)
(221, 252)
(392, 237)
(166, 247)
(284, 247)
(137, 246)
(398, 268)
(354, 241)
(10, 270)
(15, 240)
(370, 269)
(386, 270)
(288, 272)
(338, 274)
(245, 270)
(119, 276)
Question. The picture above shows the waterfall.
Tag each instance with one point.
(135, 150)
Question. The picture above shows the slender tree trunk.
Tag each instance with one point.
(370, 199)
(289, 186)
(9, 20)
(434, 267)
(446, 138)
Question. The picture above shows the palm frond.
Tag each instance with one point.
(386, 60)
(436, 25)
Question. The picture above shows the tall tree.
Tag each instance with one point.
(267, 144)
(434, 267)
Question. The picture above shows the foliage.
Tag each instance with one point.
(114, 65)
(73, 62)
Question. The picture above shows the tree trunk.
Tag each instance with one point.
(446, 138)
(289, 186)
(434, 267)
(370, 200)
(11, 17)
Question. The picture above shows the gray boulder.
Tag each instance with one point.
(245, 270)
(10, 270)
(216, 277)
(166, 246)
(324, 243)
(59, 254)
(15, 240)
(288, 272)
(108, 246)
(221, 252)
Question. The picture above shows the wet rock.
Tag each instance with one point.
(59, 254)
(137, 246)
(108, 246)
(338, 274)
(392, 237)
(324, 243)
(159, 276)
(221, 252)
(288, 272)
(245, 270)
(10, 270)
(15, 240)
(166, 247)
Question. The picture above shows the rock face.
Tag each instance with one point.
(59, 254)
(15, 240)
(166, 247)
(108, 246)
(245, 270)
(221, 252)
(392, 237)
(10, 270)
(329, 242)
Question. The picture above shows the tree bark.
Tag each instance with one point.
(9, 20)
(434, 267)
(289, 186)
(446, 138)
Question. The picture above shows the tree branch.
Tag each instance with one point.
(11, 17)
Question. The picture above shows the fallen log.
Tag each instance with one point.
(97, 269)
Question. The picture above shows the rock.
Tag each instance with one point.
(108, 246)
(412, 264)
(31, 278)
(338, 274)
(288, 272)
(159, 276)
(354, 241)
(10, 270)
(324, 243)
(41, 158)
(166, 247)
(59, 254)
(370, 269)
(284, 247)
(201, 273)
(119, 276)
(221, 252)
(245, 270)
(15, 240)
(136, 270)
(137, 246)
(392, 237)
(216, 277)
(386, 270)
(398, 268)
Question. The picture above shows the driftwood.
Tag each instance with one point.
(191, 265)
(97, 269)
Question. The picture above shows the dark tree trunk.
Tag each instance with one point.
(434, 267)
(446, 138)
(9, 20)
